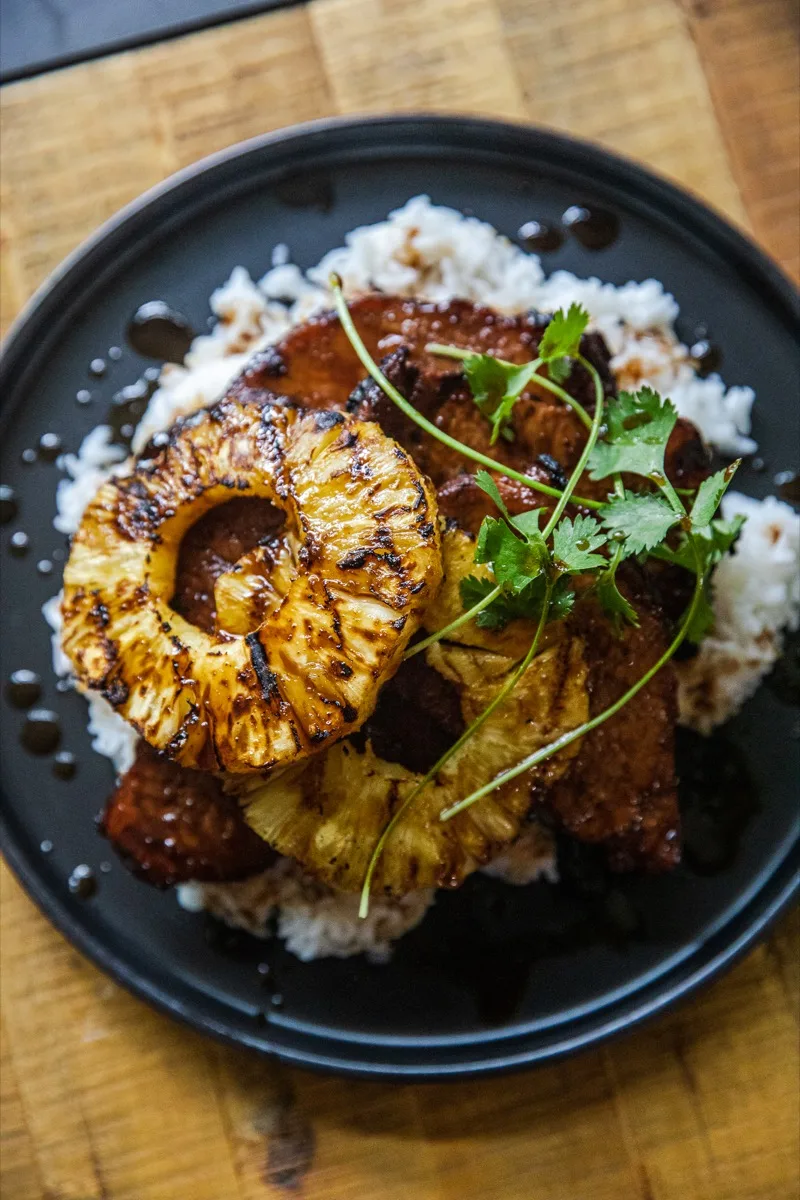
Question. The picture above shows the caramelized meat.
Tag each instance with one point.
(417, 718)
(177, 824)
(173, 824)
(621, 789)
(316, 364)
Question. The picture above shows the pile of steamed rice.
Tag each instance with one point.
(437, 254)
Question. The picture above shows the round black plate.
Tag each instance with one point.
(495, 977)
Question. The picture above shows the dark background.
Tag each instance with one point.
(36, 35)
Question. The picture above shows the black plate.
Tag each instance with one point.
(495, 977)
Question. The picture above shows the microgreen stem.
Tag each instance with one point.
(469, 615)
(540, 380)
(580, 466)
(471, 729)
(567, 739)
(399, 399)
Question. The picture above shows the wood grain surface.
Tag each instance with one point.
(102, 1099)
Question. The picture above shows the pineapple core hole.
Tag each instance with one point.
(236, 554)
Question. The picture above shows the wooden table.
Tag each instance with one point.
(102, 1097)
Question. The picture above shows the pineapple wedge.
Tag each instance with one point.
(368, 562)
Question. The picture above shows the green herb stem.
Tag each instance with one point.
(471, 729)
(469, 615)
(399, 399)
(580, 466)
(567, 739)
(541, 380)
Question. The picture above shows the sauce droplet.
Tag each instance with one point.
(97, 367)
(594, 228)
(8, 504)
(313, 190)
(44, 566)
(758, 464)
(84, 396)
(28, 456)
(157, 331)
(46, 846)
(23, 688)
(706, 358)
(82, 882)
(105, 867)
(41, 732)
(19, 544)
(127, 409)
(788, 485)
(64, 765)
(538, 235)
(115, 353)
(49, 447)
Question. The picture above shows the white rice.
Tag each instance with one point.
(313, 920)
(436, 253)
(756, 597)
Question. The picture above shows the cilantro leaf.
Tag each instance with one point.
(640, 518)
(474, 589)
(496, 386)
(525, 605)
(488, 485)
(528, 524)
(708, 544)
(639, 425)
(617, 608)
(561, 340)
(712, 543)
(490, 537)
(574, 541)
(516, 562)
(709, 494)
(516, 551)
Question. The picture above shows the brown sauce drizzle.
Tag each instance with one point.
(8, 504)
(24, 688)
(41, 733)
(49, 447)
(157, 331)
(19, 544)
(82, 882)
(540, 237)
(128, 405)
(595, 228)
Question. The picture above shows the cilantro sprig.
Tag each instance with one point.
(534, 557)
(388, 388)
(497, 384)
(638, 429)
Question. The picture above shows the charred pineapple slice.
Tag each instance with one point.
(368, 562)
(330, 813)
(255, 586)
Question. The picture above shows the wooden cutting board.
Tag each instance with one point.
(102, 1098)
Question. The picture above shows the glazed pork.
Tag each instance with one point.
(620, 790)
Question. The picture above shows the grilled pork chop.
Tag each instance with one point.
(621, 789)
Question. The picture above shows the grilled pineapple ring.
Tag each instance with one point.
(329, 812)
(368, 563)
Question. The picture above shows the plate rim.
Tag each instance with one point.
(749, 925)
